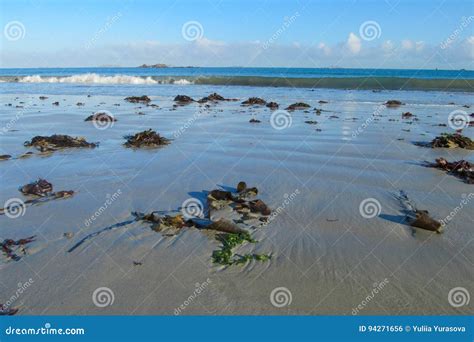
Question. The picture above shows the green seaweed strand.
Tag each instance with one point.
(225, 255)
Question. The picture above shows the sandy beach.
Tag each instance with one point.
(315, 173)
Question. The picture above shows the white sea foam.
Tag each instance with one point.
(89, 78)
(182, 82)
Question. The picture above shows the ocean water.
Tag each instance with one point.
(376, 79)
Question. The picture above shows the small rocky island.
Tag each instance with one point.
(159, 65)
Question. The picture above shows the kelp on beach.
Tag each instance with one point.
(461, 169)
(16, 249)
(148, 138)
(230, 233)
(58, 141)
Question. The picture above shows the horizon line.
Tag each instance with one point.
(228, 67)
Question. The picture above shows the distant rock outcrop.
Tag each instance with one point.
(160, 65)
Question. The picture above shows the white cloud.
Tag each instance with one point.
(353, 43)
(206, 52)
(407, 44)
(468, 47)
(388, 47)
(419, 46)
(325, 49)
(204, 42)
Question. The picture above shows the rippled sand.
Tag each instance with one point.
(325, 253)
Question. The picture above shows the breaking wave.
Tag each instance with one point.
(100, 79)
(362, 83)
(89, 78)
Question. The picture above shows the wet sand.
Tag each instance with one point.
(323, 251)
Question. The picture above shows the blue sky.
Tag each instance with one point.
(292, 33)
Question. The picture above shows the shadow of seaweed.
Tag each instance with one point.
(103, 230)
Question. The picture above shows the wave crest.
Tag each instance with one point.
(89, 78)
(360, 83)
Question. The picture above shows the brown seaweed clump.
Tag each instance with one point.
(241, 186)
(423, 220)
(461, 169)
(39, 188)
(272, 105)
(5, 156)
(138, 99)
(101, 117)
(258, 206)
(148, 138)
(164, 222)
(12, 248)
(240, 201)
(183, 99)
(406, 115)
(58, 141)
(63, 194)
(393, 103)
(226, 226)
(7, 311)
(214, 97)
(297, 106)
(43, 193)
(254, 101)
(452, 141)
(418, 218)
